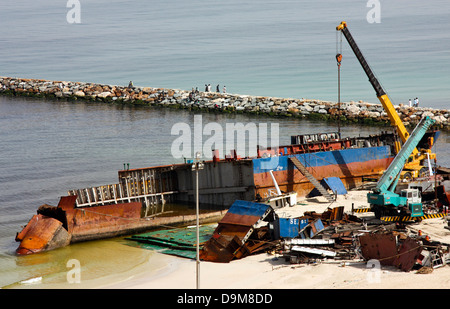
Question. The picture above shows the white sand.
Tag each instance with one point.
(265, 271)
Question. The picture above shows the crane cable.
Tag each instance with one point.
(339, 59)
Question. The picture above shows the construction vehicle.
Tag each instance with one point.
(383, 200)
(415, 166)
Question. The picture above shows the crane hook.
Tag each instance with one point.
(338, 59)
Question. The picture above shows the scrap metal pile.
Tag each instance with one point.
(345, 237)
(323, 235)
(238, 234)
(313, 237)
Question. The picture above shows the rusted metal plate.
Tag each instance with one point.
(386, 249)
(239, 219)
(245, 213)
(337, 213)
(381, 247)
(231, 230)
(219, 249)
(408, 253)
(42, 233)
(230, 239)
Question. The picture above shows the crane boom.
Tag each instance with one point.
(373, 80)
(394, 169)
(381, 94)
(383, 199)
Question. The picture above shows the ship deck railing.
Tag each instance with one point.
(90, 197)
(149, 186)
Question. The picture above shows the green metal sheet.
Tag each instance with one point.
(179, 241)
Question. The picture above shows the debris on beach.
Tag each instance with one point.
(333, 235)
(389, 244)
(313, 237)
(238, 234)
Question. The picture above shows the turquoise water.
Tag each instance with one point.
(283, 48)
(270, 48)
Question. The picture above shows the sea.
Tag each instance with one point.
(270, 48)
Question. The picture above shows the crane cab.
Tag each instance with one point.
(413, 201)
(412, 196)
(407, 203)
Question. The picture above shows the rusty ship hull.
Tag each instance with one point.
(55, 227)
(350, 165)
(129, 206)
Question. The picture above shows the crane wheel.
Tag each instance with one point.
(423, 172)
(407, 176)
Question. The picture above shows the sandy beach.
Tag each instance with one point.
(270, 271)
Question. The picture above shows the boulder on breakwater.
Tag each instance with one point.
(349, 112)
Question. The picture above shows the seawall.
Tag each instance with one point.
(350, 112)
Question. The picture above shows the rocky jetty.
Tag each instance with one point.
(356, 112)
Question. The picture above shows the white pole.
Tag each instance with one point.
(197, 166)
(275, 183)
(430, 170)
(198, 229)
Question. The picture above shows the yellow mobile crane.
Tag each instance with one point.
(414, 167)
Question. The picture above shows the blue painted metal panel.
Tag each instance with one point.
(240, 207)
(346, 156)
(335, 184)
(289, 227)
(318, 226)
(303, 223)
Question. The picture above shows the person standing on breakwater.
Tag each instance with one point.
(416, 102)
(410, 103)
(130, 85)
(217, 88)
(224, 89)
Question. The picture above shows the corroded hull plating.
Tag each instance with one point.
(43, 232)
(350, 165)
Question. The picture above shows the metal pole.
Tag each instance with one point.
(198, 229)
(197, 166)
(339, 58)
(339, 97)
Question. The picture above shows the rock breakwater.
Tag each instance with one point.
(348, 112)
